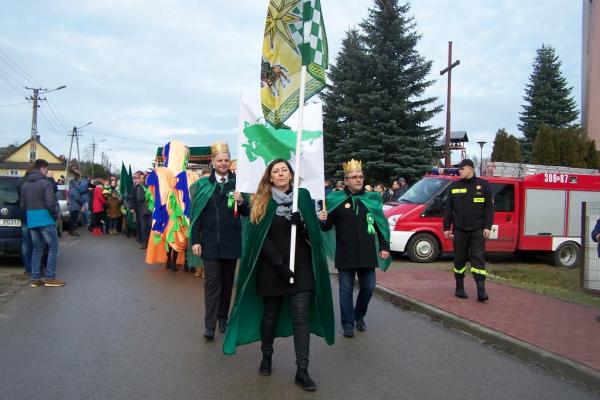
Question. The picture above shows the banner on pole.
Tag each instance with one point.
(294, 36)
(259, 143)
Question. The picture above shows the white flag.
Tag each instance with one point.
(259, 143)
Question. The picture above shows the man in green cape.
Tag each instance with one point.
(362, 236)
(245, 321)
(215, 235)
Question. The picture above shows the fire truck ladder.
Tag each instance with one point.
(517, 170)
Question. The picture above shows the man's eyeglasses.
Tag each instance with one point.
(356, 177)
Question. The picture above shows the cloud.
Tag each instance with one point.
(151, 70)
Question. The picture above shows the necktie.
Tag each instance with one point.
(222, 184)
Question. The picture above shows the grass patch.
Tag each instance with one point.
(560, 283)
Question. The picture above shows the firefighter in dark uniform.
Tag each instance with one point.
(469, 215)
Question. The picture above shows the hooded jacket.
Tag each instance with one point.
(38, 200)
(99, 200)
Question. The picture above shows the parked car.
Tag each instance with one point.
(10, 217)
(62, 195)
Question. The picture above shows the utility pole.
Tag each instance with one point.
(94, 145)
(34, 131)
(74, 135)
(448, 69)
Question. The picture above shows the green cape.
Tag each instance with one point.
(200, 192)
(374, 204)
(244, 323)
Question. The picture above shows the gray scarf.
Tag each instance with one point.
(284, 203)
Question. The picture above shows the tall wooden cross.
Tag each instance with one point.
(448, 69)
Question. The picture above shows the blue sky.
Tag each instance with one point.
(149, 71)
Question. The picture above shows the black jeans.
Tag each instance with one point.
(218, 285)
(73, 220)
(299, 309)
(145, 227)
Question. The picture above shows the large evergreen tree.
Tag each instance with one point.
(506, 147)
(385, 124)
(341, 100)
(548, 99)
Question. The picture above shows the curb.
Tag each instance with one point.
(509, 344)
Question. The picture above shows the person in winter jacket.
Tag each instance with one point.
(75, 205)
(98, 210)
(39, 203)
(113, 211)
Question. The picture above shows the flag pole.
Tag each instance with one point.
(297, 168)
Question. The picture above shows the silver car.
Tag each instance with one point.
(62, 195)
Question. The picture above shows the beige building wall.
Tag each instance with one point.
(16, 163)
(590, 88)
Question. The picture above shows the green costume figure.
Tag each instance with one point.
(267, 305)
(361, 240)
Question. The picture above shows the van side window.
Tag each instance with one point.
(504, 196)
(439, 212)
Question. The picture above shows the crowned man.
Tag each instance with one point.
(362, 243)
(216, 235)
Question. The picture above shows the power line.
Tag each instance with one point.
(17, 67)
(58, 118)
(122, 137)
(14, 104)
(14, 86)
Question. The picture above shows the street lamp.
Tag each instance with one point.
(34, 131)
(481, 143)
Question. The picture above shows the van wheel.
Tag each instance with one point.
(423, 248)
(567, 255)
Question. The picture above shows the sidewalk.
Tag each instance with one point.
(559, 335)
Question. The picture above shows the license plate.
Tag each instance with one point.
(10, 222)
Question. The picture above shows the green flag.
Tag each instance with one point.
(294, 36)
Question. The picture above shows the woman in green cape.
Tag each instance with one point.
(267, 305)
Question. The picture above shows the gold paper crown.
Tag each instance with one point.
(219, 147)
(352, 165)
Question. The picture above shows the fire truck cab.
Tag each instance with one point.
(536, 209)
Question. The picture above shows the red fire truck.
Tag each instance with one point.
(536, 209)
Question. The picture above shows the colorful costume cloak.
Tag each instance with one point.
(373, 202)
(244, 323)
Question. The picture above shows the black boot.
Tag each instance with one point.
(481, 295)
(303, 379)
(265, 365)
(460, 289)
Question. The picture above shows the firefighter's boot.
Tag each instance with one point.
(481, 295)
(460, 288)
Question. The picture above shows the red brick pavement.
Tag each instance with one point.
(566, 329)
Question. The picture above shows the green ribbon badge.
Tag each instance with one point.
(230, 200)
(370, 222)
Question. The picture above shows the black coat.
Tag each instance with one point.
(355, 248)
(217, 231)
(470, 205)
(276, 251)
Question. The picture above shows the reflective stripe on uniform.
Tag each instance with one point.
(478, 199)
(460, 271)
(478, 271)
(463, 190)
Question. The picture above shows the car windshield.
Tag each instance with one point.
(422, 191)
(9, 195)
